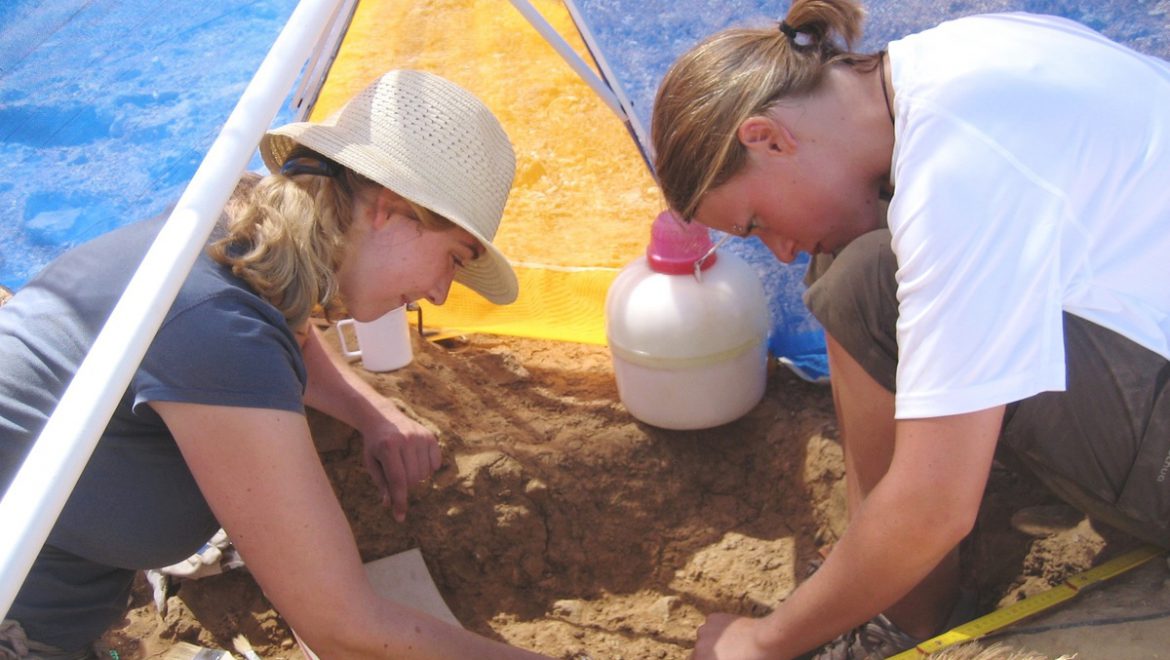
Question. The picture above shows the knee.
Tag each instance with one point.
(855, 284)
(855, 300)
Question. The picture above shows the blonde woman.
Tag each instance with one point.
(1017, 299)
(388, 201)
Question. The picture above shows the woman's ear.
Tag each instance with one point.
(382, 207)
(761, 132)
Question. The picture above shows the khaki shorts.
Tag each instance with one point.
(1103, 445)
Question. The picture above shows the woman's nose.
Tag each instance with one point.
(438, 294)
(784, 249)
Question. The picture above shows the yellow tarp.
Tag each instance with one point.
(583, 199)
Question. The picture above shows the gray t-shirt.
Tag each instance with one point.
(136, 505)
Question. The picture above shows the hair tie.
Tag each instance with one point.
(798, 38)
(310, 165)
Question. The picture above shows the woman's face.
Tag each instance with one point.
(796, 196)
(390, 259)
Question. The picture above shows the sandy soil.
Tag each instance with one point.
(561, 524)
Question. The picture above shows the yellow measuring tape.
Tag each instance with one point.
(1032, 605)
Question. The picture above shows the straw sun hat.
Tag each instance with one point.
(430, 141)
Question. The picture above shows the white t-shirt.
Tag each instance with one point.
(1032, 175)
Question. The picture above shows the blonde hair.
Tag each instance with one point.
(736, 74)
(285, 234)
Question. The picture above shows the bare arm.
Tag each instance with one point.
(924, 505)
(397, 451)
(260, 473)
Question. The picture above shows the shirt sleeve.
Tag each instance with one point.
(230, 349)
(977, 239)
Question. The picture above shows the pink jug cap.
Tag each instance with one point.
(676, 245)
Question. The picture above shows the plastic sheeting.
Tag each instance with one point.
(108, 106)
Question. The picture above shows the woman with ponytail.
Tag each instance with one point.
(987, 210)
(387, 201)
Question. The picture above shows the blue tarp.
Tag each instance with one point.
(108, 106)
(635, 42)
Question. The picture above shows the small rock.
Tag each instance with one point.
(567, 609)
(664, 607)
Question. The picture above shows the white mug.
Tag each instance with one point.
(383, 344)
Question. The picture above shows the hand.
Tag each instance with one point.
(727, 637)
(398, 452)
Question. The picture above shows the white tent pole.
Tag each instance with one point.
(638, 130)
(324, 53)
(570, 56)
(42, 486)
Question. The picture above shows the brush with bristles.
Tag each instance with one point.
(244, 647)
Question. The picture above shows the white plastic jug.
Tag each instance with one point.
(689, 351)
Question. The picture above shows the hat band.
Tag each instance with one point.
(319, 166)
